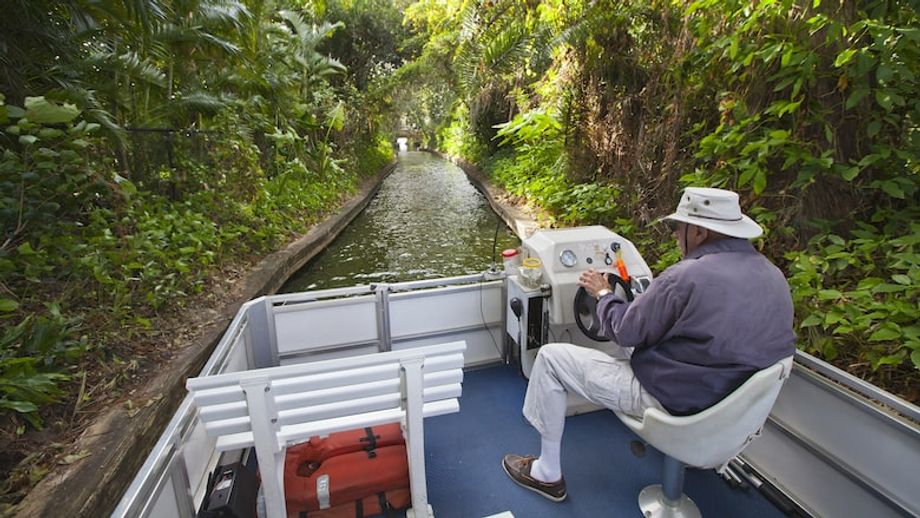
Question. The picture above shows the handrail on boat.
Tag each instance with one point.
(369, 289)
(859, 385)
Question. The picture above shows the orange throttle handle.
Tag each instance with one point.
(621, 267)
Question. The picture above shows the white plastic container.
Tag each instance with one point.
(512, 260)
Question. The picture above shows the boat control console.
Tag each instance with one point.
(541, 306)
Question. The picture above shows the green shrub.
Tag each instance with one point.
(34, 357)
(372, 156)
(457, 139)
(534, 166)
(77, 232)
(858, 297)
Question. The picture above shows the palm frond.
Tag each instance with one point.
(469, 23)
(278, 30)
(146, 12)
(105, 119)
(308, 35)
(201, 102)
(222, 12)
(171, 34)
(575, 34)
(219, 43)
(508, 48)
(174, 34)
(467, 55)
(498, 49)
(321, 32)
(595, 20)
(327, 66)
(141, 69)
(296, 22)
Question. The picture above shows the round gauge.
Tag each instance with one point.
(568, 258)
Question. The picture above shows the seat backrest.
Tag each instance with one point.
(327, 396)
(711, 437)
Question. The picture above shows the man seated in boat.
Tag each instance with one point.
(703, 327)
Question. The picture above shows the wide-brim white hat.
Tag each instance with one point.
(717, 210)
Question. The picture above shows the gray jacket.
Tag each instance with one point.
(705, 325)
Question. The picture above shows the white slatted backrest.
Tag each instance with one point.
(330, 395)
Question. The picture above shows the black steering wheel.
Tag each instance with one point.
(586, 306)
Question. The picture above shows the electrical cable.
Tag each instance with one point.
(493, 268)
(498, 222)
(519, 332)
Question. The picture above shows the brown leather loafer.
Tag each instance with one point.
(518, 468)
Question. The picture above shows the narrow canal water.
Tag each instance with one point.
(427, 221)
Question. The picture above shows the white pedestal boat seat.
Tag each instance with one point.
(271, 409)
(708, 439)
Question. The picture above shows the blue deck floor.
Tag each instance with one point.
(603, 477)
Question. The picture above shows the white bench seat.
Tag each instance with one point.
(272, 409)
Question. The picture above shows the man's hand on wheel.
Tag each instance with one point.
(593, 281)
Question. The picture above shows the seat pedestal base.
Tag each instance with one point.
(653, 504)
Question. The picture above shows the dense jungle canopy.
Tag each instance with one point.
(150, 147)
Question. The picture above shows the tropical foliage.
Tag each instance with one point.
(148, 146)
(600, 112)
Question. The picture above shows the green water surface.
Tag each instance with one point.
(427, 221)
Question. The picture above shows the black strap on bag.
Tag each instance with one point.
(385, 506)
(371, 440)
(359, 508)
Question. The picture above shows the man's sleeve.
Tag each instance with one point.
(646, 320)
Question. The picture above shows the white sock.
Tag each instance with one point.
(548, 467)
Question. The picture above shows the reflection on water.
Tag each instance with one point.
(426, 221)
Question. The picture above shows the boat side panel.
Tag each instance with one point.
(166, 505)
(150, 488)
(468, 313)
(884, 452)
(811, 483)
(483, 346)
(315, 330)
(199, 453)
(335, 351)
(324, 324)
(199, 449)
(239, 357)
(436, 310)
(821, 438)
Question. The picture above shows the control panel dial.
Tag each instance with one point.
(568, 258)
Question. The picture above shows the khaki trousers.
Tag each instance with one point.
(594, 375)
